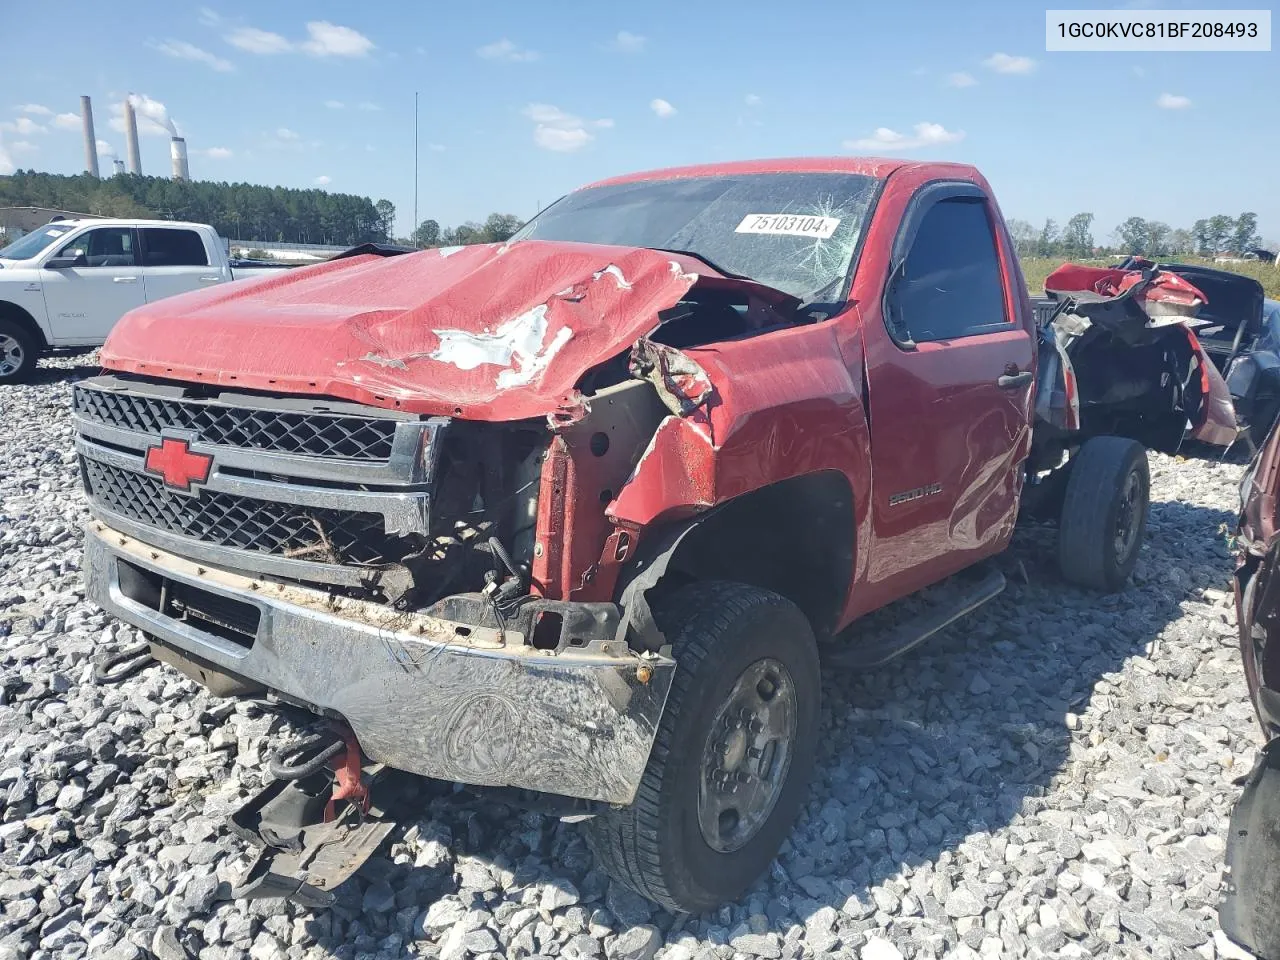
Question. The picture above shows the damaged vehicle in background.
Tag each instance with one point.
(1239, 330)
(1128, 333)
(1248, 911)
(568, 515)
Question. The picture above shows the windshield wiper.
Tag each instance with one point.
(818, 296)
(707, 260)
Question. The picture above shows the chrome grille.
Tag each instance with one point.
(229, 520)
(279, 431)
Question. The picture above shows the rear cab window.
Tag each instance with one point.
(173, 247)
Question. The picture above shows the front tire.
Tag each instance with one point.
(18, 352)
(734, 751)
(1104, 513)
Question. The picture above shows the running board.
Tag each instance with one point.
(953, 599)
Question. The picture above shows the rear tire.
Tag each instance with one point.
(18, 352)
(734, 751)
(1104, 513)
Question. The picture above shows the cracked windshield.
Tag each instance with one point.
(796, 232)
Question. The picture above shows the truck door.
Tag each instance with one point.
(951, 369)
(84, 301)
(174, 260)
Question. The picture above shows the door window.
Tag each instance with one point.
(950, 285)
(103, 247)
(169, 247)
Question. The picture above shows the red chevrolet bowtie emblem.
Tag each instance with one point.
(174, 461)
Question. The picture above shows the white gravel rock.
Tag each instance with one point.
(1048, 778)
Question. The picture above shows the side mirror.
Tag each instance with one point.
(62, 263)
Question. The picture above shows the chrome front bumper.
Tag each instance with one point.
(453, 701)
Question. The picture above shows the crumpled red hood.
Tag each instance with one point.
(498, 332)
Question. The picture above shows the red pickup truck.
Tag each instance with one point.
(568, 516)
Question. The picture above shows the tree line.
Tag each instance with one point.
(236, 210)
(1213, 236)
(243, 211)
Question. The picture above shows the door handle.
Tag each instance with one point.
(124, 279)
(210, 279)
(1011, 381)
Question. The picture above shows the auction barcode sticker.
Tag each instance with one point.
(1136, 31)
(789, 225)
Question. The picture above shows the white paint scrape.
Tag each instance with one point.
(520, 345)
(613, 270)
(678, 272)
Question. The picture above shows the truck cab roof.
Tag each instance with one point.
(878, 167)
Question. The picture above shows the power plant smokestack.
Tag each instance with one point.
(178, 153)
(117, 166)
(131, 138)
(90, 141)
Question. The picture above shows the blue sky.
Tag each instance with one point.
(521, 102)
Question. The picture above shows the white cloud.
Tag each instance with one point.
(891, 141)
(662, 108)
(253, 40)
(1004, 63)
(334, 104)
(23, 126)
(327, 39)
(751, 100)
(284, 133)
(209, 18)
(35, 109)
(181, 50)
(7, 166)
(628, 42)
(961, 79)
(1172, 101)
(1139, 71)
(23, 146)
(323, 180)
(505, 49)
(559, 131)
(214, 153)
(106, 150)
(368, 107)
(67, 121)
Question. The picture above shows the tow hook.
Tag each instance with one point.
(316, 822)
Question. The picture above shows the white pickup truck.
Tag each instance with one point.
(64, 285)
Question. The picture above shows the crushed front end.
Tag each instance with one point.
(369, 565)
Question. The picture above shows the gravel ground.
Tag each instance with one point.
(1051, 778)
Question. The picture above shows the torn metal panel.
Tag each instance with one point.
(1161, 295)
(787, 404)
(681, 383)
(481, 332)
(1216, 423)
(587, 463)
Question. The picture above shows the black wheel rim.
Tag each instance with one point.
(747, 756)
(1129, 516)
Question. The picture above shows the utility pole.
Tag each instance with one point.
(414, 228)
